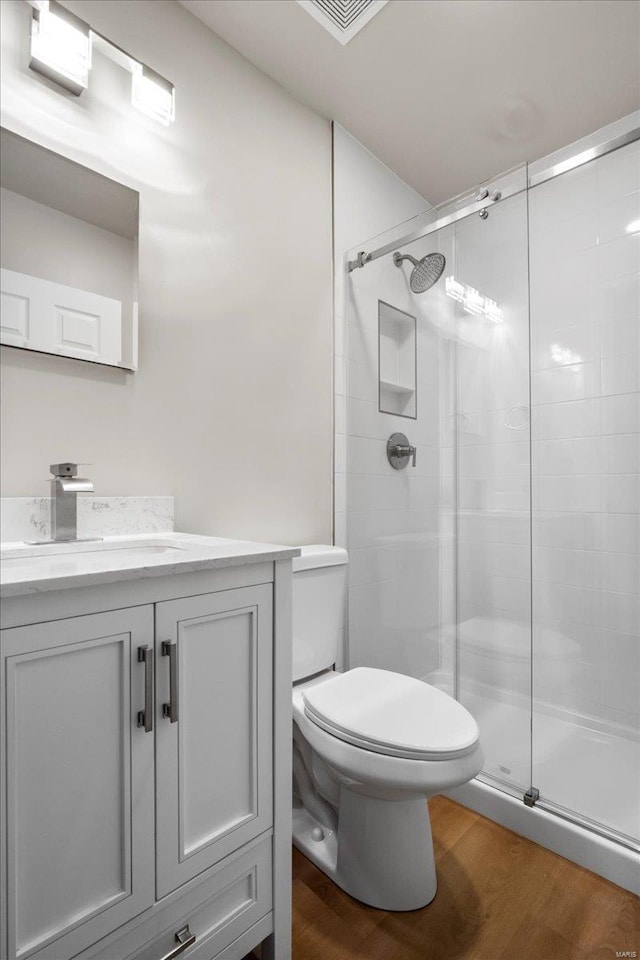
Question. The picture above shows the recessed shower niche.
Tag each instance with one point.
(69, 257)
(397, 361)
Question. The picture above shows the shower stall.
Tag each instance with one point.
(504, 567)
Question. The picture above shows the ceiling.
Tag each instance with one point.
(450, 92)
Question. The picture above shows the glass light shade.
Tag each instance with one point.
(152, 94)
(61, 47)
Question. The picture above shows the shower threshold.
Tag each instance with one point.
(613, 859)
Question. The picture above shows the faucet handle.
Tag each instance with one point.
(66, 469)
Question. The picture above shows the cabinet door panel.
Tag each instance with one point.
(213, 789)
(79, 776)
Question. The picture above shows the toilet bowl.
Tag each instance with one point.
(370, 747)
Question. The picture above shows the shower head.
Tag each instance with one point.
(426, 271)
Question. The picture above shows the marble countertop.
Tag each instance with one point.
(26, 569)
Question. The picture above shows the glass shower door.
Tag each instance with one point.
(505, 568)
(585, 357)
(489, 260)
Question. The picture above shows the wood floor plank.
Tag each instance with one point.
(534, 940)
(453, 820)
(603, 917)
(360, 917)
(500, 897)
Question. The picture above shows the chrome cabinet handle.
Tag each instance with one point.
(185, 940)
(170, 710)
(145, 717)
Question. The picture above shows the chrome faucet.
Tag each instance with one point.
(65, 487)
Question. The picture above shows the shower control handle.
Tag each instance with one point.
(400, 451)
(406, 450)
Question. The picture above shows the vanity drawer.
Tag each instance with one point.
(216, 911)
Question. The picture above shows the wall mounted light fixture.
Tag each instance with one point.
(152, 94)
(62, 47)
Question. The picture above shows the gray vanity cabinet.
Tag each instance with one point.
(214, 763)
(79, 781)
(137, 766)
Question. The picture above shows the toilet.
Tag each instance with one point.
(369, 747)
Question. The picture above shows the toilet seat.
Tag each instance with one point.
(392, 714)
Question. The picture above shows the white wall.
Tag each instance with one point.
(372, 500)
(368, 200)
(231, 408)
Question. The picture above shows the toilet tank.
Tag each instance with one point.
(319, 608)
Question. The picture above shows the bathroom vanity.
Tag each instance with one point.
(145, 749)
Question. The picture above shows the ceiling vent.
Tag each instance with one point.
(343, 18)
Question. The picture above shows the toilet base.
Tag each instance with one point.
(382, 853)
(316, 842)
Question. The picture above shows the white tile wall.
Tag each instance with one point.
(395, 530)
(377, 511)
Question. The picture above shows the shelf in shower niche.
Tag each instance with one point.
(397, 372)
(396, 387)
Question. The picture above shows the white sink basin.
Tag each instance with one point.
(34, 568)
(66, 558)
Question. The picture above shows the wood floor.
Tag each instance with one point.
(500, 897)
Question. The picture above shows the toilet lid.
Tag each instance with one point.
(390, 713)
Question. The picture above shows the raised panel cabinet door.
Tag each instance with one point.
(214, 728)
(79, 781)
(51, 317)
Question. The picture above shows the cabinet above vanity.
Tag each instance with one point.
(146, 749)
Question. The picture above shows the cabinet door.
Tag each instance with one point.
(79, 781)
(214, 758)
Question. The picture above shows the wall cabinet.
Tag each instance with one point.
(139, 785)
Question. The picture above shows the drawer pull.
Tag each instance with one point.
(170, 710)
(145, 717)
(185, 939)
